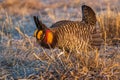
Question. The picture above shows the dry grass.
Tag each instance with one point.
(110, 26)
(21, 58)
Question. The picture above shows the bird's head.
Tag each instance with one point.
(44, 35)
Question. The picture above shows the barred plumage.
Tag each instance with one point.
(71, 35)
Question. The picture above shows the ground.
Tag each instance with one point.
(21, 58)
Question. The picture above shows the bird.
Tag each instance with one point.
(70, 35)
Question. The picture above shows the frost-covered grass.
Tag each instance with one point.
(21, 58)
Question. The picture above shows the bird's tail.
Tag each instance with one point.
(88, 15)
(97, 39)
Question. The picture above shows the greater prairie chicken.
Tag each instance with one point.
(70, 35)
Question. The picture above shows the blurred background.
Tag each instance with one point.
(18, 13)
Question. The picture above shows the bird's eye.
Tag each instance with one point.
(39, 35)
